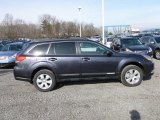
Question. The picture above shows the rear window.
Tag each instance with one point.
(15, 47)
(39, 49)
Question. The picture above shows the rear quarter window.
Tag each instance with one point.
(39, 49)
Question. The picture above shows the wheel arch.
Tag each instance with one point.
(131, 63)
(42, 68)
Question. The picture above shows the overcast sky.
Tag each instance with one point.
(141, 14)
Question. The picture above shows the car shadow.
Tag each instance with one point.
(6, 67)
(83, 82)
(148, 77)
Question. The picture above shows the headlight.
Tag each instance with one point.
(13, 56)
(147, 57)
(150, 49)
(3, 57)
(128, 50)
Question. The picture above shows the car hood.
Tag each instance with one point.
(137, 47)
(128, 55)
(7, 53)
(158, 44)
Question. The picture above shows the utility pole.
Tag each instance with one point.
(102, 12)
(80, 29)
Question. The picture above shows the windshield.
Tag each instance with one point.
(130, 42)
(12, 47)
(157, 39)
(1, 47)
(109, 39)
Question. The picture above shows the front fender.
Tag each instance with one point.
(128, 61)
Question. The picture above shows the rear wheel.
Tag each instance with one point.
(131, 75)
(157, 54)
(44, 80)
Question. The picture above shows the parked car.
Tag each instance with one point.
(95, 38)
(129, 44)
(46, 63)
(9, 51)
(108, 41)
(154, 43)
(4, 42)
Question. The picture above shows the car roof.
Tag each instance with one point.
(156, 36)
(15, 43)
(125, 38)
(61, 40)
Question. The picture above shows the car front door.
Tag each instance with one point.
(97, 60)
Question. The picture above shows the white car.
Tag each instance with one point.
(108, 41)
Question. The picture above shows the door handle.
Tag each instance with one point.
(52, 59)
(86, 59)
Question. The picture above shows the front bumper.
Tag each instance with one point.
(148, 69)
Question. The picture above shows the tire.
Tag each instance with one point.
(44, 80)
(157, 54)
(131, 76)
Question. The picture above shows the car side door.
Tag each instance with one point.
(62, 56)
(96, 60)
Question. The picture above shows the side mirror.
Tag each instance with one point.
(108, 53)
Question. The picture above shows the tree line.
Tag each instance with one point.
(48, 27)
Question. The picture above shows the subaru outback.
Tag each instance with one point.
(49, 62)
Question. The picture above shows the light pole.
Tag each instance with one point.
(80, 29)
(103, 41)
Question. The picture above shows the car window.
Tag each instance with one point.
(157, 39)
(145, 39)
(88, 48)
(116, 41)
(25, 45)
(39, 49)
(5, 48)
(1, 46)
(109, 40)
(63, 48)
(15, 47)
(152, 40)
(130, 42)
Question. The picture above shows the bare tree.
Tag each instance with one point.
(49, 27)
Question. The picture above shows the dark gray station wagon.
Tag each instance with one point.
(49, 62)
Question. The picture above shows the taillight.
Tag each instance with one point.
(20, 58)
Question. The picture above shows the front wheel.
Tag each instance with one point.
(157, 54)
(131, 76)
(44, 80)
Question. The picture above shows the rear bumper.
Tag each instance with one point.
(22, 79)
(21, 74)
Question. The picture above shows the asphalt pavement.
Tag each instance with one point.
(85, 100)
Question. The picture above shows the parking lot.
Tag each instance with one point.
(89, 100)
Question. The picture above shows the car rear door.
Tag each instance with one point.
(63, 58)
(95, 62)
